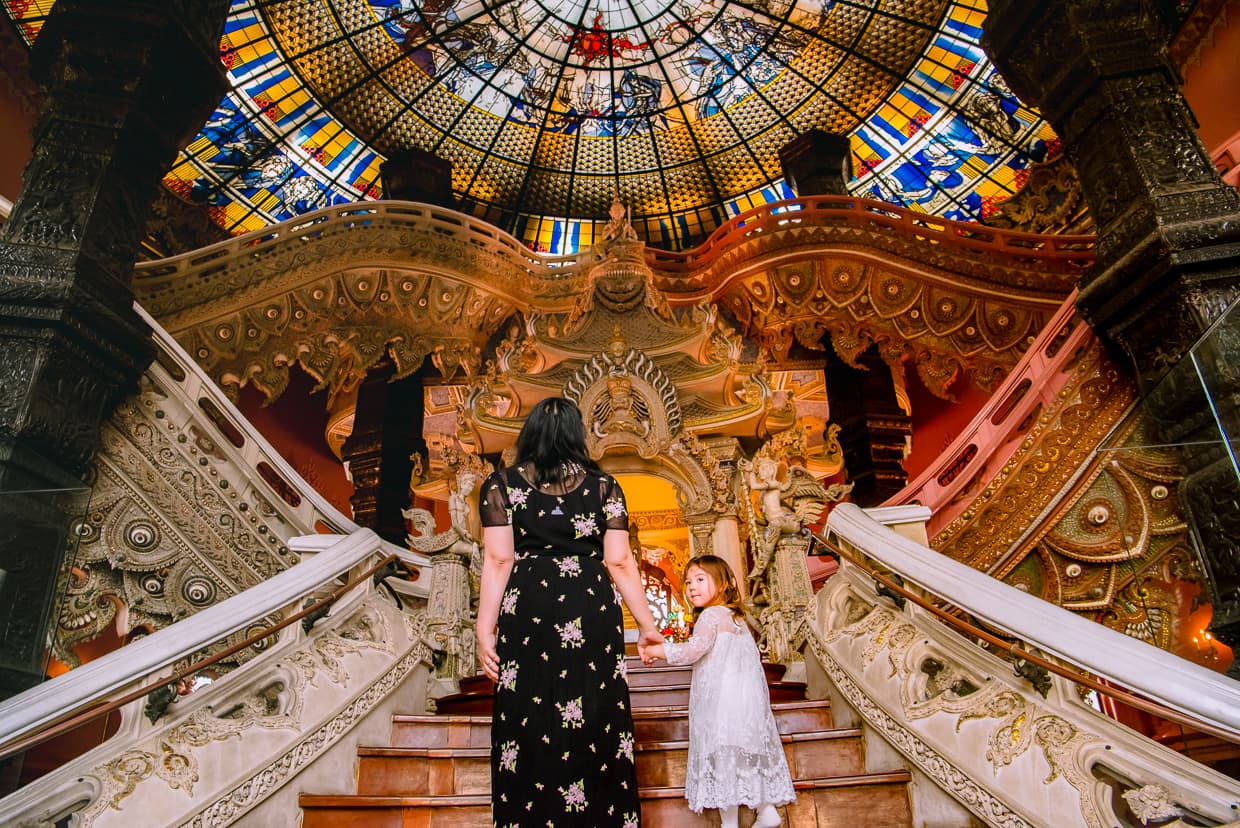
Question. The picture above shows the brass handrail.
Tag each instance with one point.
(60, 726)
(1069, 673)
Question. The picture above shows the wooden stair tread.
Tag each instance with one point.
(307, 800)
(876, 778)
(785, 738)
(419, 752)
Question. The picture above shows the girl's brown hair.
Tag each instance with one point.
(729, 594)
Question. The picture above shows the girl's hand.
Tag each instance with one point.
(487, 654)
(648, 638)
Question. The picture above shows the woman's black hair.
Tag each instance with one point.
(553, 441)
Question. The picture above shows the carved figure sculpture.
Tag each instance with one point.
(455, 555)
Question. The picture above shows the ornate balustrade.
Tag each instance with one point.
(981, 450)
(961, 715)
(227, 748)
(170, 285)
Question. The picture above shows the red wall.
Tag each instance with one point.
(294, 425)
(937, 422)
(16, 144)
(1212, 86)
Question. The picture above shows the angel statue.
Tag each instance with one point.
(454, 553)
(786, 506)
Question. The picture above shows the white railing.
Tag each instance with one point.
(1016, 749)
(224, 752)
(132, 664)
(180, 375)
(1089, 646)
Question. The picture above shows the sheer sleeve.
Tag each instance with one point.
(493, 506)
(704, 633)
(615, 510)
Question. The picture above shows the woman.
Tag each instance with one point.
(550, 632)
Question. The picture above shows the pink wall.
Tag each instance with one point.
(294, 425)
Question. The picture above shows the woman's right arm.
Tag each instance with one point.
(618, 558)
(497, 561)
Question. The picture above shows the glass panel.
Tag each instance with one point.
(39, 530)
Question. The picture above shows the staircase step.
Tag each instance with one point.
(326, 811)
(659, 686)
(877, 800)
(439, 731)
(670, 723)
(395, 771)
(814, 755)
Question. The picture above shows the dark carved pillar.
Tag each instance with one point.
(817, 163)
(414, 175)
(128, 83)
(1168, 229)
(874, 430)
(387, 431)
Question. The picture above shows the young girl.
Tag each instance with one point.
(735, 755)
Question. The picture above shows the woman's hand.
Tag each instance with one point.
(487, 654)
(649, 637)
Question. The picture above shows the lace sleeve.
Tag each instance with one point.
(615, 510)
(493, 505)
(703, 638)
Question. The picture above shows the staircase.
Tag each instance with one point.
(436, 772)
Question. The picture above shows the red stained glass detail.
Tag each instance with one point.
(596, 43)
(266, 105)
(228, 55)
(536, 246)
(178, 186)
(868, 165)
(1054, 148)
(990, 205)
(367, 189)
(317, 153)
(1021, 178)
(961, 73)
(916, 124)
(19, 7)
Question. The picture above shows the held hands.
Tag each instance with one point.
(487, 654)
(650, 646)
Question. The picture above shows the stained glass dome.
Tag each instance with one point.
(548, 108)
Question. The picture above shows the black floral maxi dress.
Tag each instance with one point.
(562, 731)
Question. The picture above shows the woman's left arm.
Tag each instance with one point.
(618, 558)
(498, 558)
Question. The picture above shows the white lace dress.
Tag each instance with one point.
(735, 756)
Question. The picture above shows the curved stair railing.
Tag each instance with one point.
(226, 750)
(1015, 751)
(995, 433)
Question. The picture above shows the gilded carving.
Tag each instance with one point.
(166, 533)
(1022, 722)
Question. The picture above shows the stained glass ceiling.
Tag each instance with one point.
(547, 108)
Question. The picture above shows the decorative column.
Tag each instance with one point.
(128, 83)
(1168, 259)
(387, 432)
(874, 429)
(817, 163)
(1168, 226)
(415, 175)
